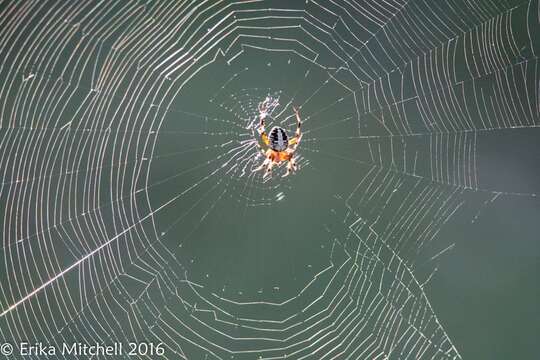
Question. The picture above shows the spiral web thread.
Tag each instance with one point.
(88, 89)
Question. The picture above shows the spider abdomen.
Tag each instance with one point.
(279, 141)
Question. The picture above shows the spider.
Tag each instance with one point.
(280, 147)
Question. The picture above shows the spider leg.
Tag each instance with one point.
(291, 166)
(262, 131)
(262, 166)
(265, 138)
(263, 112)
(268, 171)
(298, 122)
(298, 134)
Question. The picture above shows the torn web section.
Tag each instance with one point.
(408, 212)
(396, 317)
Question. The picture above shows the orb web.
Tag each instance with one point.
(130, 208)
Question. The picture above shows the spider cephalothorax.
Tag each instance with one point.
(280, 147)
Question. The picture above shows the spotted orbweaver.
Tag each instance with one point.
(280, 147)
